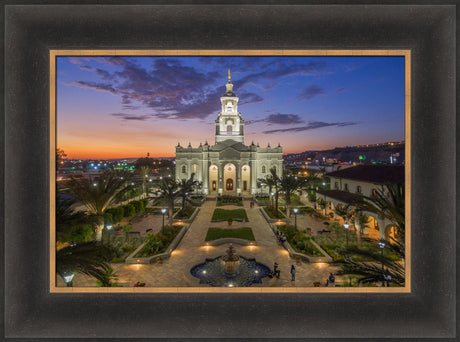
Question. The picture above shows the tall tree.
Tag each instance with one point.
(144, 166)
(186, 186)
(100, 193)
(276, 181)
(169, 192)
(270, 182)
(289, 185)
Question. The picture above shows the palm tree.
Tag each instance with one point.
(289, 185)
(67, 218)
(391, 205)
(276, 181)
(270, 182)
(100, 193)
(381, 268)
(144, 171)
(144, 166)
(169, 191)
(90, 258)
(186, 186)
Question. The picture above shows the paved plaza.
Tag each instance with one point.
(175, 271)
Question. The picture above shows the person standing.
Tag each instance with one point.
(331, 280)
(293, 272)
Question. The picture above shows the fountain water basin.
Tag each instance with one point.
(230, 270)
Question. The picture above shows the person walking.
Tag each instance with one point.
(293, 272)
(276, 271)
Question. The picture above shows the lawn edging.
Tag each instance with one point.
(293, 254)
(131, 259)
(237, 241)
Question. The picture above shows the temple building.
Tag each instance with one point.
(229, 167)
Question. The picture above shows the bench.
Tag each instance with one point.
(324, 231)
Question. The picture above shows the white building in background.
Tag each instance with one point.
(229, 166)
(349, 185)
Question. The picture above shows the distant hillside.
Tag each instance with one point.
(378, 152)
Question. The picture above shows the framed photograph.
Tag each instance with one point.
(209, 104)
(281, 223)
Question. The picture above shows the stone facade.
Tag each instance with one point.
(229, 166)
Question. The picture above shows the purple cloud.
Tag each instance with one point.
(279, 119)
(311, 125)
(310, 92)
(125, 116)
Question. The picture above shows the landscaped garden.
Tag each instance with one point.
(158, 243)
(300, 241)
(229, 200)
(185, 213)
(271, 212)
(226, 215)
(335, 243)
(240, 233)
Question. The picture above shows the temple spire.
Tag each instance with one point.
(229, 77)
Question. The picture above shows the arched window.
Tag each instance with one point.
(264, 169)
(229, 129)
(274, 168)
(336, 185)
(194, 168)
(359, 189)
(184, 169)
(346, 187)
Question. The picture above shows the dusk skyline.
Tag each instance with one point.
(126, 107)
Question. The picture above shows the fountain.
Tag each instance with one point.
(231, 260)
(230, 270)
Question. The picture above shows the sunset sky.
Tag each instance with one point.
(126, 107)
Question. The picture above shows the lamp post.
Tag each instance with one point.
(382, 246)
(109, 228)
(295, 217)
(68, 277)
(346, 225)
(163, 211)
(272, 197)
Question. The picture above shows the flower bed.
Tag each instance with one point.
(270, 211)
(300, 242)
(186, 213)
(158, 243)
(229, 200)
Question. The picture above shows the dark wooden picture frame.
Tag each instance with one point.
(32, 312)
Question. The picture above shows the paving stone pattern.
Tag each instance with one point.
(192, 251)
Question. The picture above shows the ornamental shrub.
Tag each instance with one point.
(129, 210)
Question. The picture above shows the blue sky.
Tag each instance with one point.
(120, 107)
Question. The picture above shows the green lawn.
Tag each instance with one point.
(224, 214)
(241, 233)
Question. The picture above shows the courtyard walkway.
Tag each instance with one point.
(192, 251)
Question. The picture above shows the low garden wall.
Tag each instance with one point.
(270, 220)
(131, 259)
(237, 241)
(308, 258)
